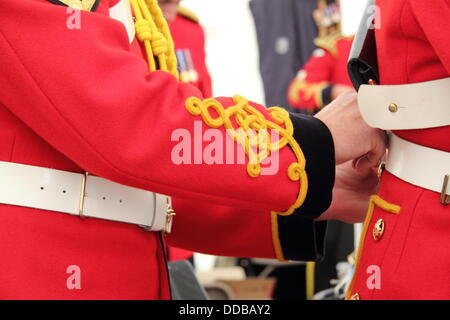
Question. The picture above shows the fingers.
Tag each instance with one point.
(360, 149)
(351, 193)
(373, 158)
(353, 138)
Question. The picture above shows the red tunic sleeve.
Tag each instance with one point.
(88, 96)
(239, 232)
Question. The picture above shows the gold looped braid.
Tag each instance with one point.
(153, 31)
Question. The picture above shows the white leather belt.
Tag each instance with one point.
(409, 106)
(83, 195)
(420, 166)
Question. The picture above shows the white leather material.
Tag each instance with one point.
(160, 220)
(40, 188)
(420, 105)
(112, 201)
(418, 165)
(121, 11)
(60, 191)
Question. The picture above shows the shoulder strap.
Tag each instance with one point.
(188, 14)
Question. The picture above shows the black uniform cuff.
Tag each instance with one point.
(317, 144)
(301, 239)
(326, 94)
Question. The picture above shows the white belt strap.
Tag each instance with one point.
(410, 106)
(418, 165)
(83, 195)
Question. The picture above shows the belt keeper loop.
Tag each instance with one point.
(445, 198)
(381, 169)
(82, 196)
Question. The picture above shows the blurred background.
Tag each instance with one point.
(231, 36)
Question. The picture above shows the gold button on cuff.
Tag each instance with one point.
(355, 297)
(378, 230)
(393, 107)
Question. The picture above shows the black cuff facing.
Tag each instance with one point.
(317, 144)
(326, 94)
(301, 239)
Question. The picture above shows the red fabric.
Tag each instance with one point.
(175, 254)
(83, 100)
(188, 34)
(413, 253)
(322, 67)
(136, 115)
(237, 232)
(413, 47)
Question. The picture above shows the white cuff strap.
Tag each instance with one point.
(410, 106)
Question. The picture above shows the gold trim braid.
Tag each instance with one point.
(252, 133)
(375, 201)
(276, 238)
(153, 31)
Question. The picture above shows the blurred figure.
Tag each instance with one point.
(324, 76)
(285, 31)
(189, 40)
(169, 8)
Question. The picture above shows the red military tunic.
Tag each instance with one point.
(412, 254)
(311, 88)
(83, 100)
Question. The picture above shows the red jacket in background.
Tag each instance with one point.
(189, 39)
(311, 88)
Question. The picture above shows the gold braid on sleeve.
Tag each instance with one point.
(249, 128)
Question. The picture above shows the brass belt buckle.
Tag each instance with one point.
(170, 213)
(445, 198)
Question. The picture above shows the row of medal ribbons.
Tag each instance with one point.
(186, 66)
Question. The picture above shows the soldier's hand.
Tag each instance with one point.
(351, 194)
(339, 89)
(353, 138)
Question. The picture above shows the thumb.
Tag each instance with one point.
(374, 156)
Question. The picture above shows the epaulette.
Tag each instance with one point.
(188, 14)
(329, 42)
(86, 5)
